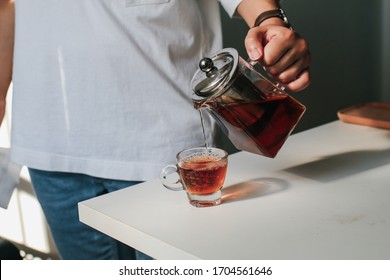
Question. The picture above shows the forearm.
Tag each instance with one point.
(7, 25)
(250, 9)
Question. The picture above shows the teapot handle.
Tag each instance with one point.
(253, 63)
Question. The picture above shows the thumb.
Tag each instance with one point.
(254, 43)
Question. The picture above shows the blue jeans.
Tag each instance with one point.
(58, 193)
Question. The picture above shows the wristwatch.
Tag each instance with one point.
(279, 13)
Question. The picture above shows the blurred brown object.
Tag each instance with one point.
(374, 114)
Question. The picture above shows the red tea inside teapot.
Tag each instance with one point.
(255, 114)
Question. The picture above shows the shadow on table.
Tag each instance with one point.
(252, 189)
(339, 166)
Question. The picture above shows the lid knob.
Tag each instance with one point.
(207, 65)
(215, 75)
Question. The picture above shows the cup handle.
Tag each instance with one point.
(168, 182)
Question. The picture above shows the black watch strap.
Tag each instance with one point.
(279, 13)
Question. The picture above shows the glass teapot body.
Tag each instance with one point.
(255, 114)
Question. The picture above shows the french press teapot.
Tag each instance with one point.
(256, 114)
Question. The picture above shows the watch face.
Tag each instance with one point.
(284, 18)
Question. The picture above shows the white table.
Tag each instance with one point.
(325, 196)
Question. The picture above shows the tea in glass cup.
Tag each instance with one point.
(201, 171)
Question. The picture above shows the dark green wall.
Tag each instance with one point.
(345, 41)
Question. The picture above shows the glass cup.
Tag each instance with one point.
(201, 173)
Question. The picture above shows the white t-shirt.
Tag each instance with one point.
(101, 87)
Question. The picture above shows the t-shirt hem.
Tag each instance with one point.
(117, 170)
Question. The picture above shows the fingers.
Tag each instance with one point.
(284, 55)
(290, 67)
(300, 83)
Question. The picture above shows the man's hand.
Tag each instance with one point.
(282, 52)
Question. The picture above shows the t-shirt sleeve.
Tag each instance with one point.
(230, 7)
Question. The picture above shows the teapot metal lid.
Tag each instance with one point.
(215, 75)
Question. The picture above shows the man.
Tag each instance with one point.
(101, 96)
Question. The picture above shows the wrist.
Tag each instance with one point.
(275, 16)
(250, 9)
(272, 21)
